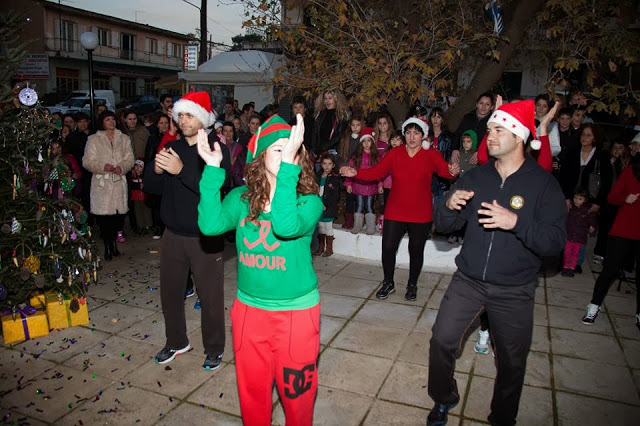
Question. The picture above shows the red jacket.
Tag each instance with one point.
(627, 223)
(545, 160)
(168, 137)
(410, 196)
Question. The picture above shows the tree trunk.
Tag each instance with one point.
(522, 13)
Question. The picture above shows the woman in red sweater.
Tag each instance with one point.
(409, 207)
(624, 238)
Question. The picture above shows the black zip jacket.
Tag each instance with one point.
(181, 193)
(331, 194)
(507, 257)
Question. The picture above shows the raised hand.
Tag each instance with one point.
(458, 199)
(212, 158)
(290, 150)
(544, 122)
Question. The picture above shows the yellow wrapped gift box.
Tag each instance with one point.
(24, 324)
(59, 312)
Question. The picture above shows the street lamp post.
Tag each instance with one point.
(89, 42)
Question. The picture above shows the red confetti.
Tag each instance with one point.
(167, 368)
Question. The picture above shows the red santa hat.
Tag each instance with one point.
(367, 132)
(420, 123)
(197, 104)
(519, 119)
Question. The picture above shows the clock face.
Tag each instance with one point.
(28, 96)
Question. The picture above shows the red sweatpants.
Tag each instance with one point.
(281, 346)
(571, 254)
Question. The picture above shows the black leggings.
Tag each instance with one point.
(617, 250)
(110, 225)
(392, 233)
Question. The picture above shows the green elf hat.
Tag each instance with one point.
(270, 131)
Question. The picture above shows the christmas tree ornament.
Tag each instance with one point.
(26, 167)
(81, 216)
(80, 252)
(28, 96)
(57, 269)
(40, 159)
(39, 281)
(39, 214)
(5, 228)
(74, 305)
(69, 279)
(32, 263)
(64, 238)
(89, 256)
(3, 293)
(53, 175)
(60, 299)
(25, 274)
(14, 258)
(67, 184)
(15, 226)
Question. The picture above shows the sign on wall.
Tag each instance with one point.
(191, 58)
(34, 66)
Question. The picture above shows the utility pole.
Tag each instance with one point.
(202, 56)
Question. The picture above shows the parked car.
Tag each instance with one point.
(141, 104)
(78, 104)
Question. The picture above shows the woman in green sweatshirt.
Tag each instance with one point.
(276, 316)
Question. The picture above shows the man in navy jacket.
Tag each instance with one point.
(515, 213)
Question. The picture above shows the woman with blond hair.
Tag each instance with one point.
(332, 116)
(276, 315)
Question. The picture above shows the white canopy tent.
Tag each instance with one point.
(251, 73)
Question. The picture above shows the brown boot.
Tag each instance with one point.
(348, 221)
(329, 251)
(321, 241)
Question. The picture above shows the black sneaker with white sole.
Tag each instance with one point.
(213, 361)
(386, 289)
(167, 354)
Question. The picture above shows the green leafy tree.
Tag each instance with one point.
(45, 243)
(379, 52)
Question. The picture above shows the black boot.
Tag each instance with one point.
(108, 254)
(114, 248)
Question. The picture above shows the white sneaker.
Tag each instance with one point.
(482, 345)
(591, 315)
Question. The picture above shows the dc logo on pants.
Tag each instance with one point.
(297, 382)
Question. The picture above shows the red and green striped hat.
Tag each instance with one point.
(270, 131)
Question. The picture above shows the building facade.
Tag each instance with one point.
(130, 57)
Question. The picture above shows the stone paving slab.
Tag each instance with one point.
(372, 368)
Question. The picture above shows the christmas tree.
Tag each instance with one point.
(45, 242)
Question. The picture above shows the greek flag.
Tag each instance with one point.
(495, 12)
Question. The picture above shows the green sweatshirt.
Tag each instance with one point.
(275, 271)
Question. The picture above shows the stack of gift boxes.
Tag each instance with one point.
(46, 311)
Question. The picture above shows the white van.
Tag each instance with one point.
(108, 94)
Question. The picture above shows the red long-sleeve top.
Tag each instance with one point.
(410, 196)
(626, 224)
(545, 160)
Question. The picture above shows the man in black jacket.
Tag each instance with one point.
(515, 213)
(175, 175)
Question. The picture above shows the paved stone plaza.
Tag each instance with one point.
(372, 367)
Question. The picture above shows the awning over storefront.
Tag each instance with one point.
(169, 83)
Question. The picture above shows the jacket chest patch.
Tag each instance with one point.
(516, 202)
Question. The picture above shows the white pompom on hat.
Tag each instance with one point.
(519, 119)
(197, 104)
(421, 123)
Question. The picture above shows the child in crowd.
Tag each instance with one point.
(138, 198)
(396, 139)
(468, 147)
(329, 182)
(383, 129)
(469, 144)
(580, 222)
(366, 156)
(347, 148)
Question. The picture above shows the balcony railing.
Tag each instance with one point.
(53, 44)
